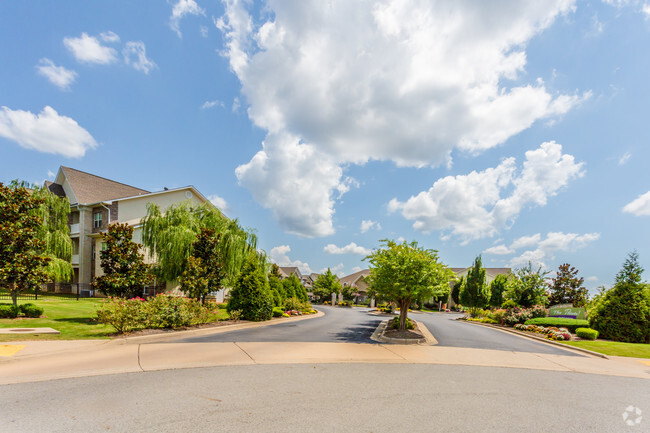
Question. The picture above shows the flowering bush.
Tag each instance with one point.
(538, 311)
(560, 334)
(162, 311)
(514, 316)
(497, 315)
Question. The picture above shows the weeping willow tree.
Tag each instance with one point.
(53, 231)
(170, 236)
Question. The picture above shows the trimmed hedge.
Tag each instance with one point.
(8, 311)
(570, 324)
(277, 312)
(587, 334)
(31, 310)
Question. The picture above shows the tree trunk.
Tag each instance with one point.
(403, 312)
(14, 294)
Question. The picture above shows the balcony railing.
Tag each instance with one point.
(75, 259)
(74, 229)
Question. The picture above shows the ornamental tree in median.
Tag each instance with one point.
(475, 293)
(326, 284)
(21, 263)
(125, 272)
(405, 272)
(566, 287)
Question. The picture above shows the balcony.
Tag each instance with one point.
(75, 259)
(74, 229)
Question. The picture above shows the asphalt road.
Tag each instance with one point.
(328, 398)
(356, 325)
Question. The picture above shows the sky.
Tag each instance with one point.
(513, 130)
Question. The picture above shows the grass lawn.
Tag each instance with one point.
(634, 350)
(75, 319)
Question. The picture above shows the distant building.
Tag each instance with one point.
(358, 281)
(490, 275)
(97, 202)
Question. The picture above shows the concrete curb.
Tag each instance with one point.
(427, 340)
(542, 339)
(141, 339)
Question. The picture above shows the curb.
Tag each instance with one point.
(214, 330)
(542, 339)
(427, 340)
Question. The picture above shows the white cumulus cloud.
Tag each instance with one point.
(180, 9)
(639, 206)
(210, 104)
(57, 75)
(545, 249)
(280, 256)
(368, 225)
(404, 81)
(219, 202)
(135, 54)
(351, 248)
(472, 206)
(46, 132)
(89, 49)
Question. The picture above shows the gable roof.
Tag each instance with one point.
(353, 278)
(89, 188)
(286, 271)
(55, 188)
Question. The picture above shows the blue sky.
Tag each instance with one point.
(514, 130)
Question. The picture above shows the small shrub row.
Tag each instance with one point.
(344, 304)
(8, 311)
(162, 311)
(570, 324)
(553, 333)
(587, 333)
(395, 323)
(277, 312)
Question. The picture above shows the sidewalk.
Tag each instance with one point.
(79, 359)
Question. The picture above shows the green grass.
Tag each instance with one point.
(614, 348)
(75, 319)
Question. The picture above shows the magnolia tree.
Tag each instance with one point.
(405, 272)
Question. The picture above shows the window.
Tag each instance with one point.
(97, 220)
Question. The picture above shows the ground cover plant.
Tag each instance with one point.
(75, 319)
(552, 333)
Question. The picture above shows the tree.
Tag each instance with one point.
(527, 287)
(404, 272)
(455, 291)
(21, 262)
(566, 287)
(475, 293)
(204, 271)
(497, 288)
(251, 294)
(125, 272)
(325, 285)
(294, 288)
(623, 312)
(275, 284)
(348, 292)
(170, 236)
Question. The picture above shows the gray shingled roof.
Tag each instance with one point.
(92, 189)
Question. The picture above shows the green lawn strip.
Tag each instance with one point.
(614, 348)
(76, 320)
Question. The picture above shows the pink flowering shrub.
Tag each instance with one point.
(559, 334)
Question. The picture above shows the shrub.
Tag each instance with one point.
(516, 315)
(538, 311)
(344, 304)
(477, 312)
(8, 311)
(122, 314)
(587, 333)
(296, 304)
(277, 312)
(394, 324)
(31, 310)
(553, 333)
(570, 324)
(235, 315)
(509, 304)
(497, 316)
(251, 293)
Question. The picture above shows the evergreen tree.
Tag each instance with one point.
(497, 289)
(275, 284)
(294, 288)
(455, 291)
(623, 312)
(251, 294)
(566, 287)
(475, 293)
(527, 287)
(204, 272)
(125, 272)
(22, 265)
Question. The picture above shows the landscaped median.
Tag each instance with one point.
(388, 332)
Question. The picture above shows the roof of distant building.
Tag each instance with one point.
(89, 188)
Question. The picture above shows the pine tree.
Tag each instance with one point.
(475, 293)
(251, 294)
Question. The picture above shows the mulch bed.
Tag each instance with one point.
(407, 333)
(168, 330)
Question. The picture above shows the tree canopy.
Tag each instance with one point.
(497, 289)
(528, 286)
(125, 272)
(251, 294)
(566, 287)
(405, 272)
(475, 293)
(326, 284)
(204, 271)
(170, 238)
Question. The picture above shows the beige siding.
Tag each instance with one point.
(136, 208)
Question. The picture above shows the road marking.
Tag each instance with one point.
(645, 362)
(10, 349)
